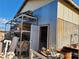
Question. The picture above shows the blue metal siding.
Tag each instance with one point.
(48, 15)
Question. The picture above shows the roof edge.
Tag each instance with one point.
(25, 2)
(73, 4)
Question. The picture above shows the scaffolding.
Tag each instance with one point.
(16, 25)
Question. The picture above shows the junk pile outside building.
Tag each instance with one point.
(43, 29)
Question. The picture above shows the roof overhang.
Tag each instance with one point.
(67, 1)
(72, 4)
(25, 2)
(28, 2)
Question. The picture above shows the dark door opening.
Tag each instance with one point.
(43, 37)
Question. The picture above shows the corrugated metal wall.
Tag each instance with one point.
(47, 15)
(67, 25)
(66, 13)
(64, 31)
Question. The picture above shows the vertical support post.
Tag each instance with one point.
(78, 41)
(78, 34)
(48, 37)
(21, 37)
(70, 39)
(30, 53)
(11, 30)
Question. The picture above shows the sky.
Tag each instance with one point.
(76, 1)
(8, 9)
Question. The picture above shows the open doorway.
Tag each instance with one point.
(43, 37)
